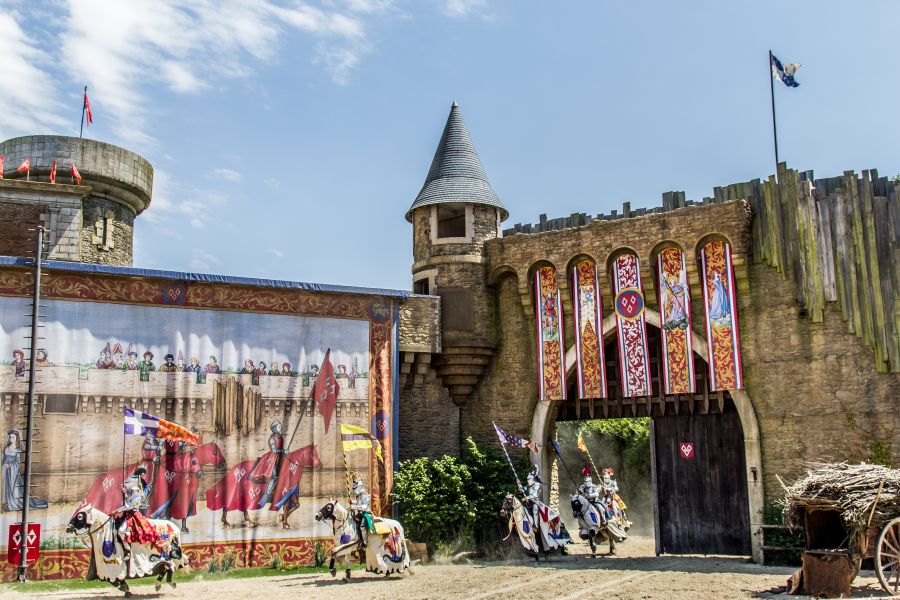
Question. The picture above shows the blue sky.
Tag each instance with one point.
(290, 137)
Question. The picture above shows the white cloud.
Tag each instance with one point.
(275, 252)
(461, 8)
(202, 260)
(197, 223)
(226, 174)
(173, 201)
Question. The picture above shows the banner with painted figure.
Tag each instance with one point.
(551, 350)
(588, 316)
(720, 307)
(675, 314)
(258, 455)
(632, 326)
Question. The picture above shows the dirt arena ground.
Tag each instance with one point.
(634, 574)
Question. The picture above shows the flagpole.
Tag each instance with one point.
(81, 131)
(123, 465)
(774, 126)
(516, 475)
(588, 452)
(565, 466)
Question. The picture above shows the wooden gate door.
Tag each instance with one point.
(700, 484)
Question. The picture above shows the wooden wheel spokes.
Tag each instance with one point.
(887, 557)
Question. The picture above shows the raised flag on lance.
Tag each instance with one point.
(720, 307)
(548, 315)
(508, 439)
(588, 316)
(675, 314)
(357, 438)
(141, 423)
(632, 326)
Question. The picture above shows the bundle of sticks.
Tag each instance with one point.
(864, 494)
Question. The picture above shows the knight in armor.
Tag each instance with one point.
(532, 500)
(268, 466)
(134, 490)
(361, 508)
(611, 489)
(591, 491)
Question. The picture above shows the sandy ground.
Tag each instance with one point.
(635, 573)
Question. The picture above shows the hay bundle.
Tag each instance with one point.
(851, 490)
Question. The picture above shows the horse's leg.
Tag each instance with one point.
(288, 511)
(169, 577)
(593, 547)
(184, 528)
(612, 544)
(158, 585)
(225, 522)
(347, 569)
(247, 520)
(331, 568)
(124, 587)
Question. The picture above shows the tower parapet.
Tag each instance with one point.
(92, 222)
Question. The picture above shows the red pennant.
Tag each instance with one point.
(88, 113)
(2, 159)
(26, 165)
(325, 391)
(53, 173)
(76, 174)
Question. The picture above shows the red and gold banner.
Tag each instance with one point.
(720, 307)
(548, 316)
(632, 326)
(675, 326)
(589, 359)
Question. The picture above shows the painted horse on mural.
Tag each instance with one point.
(239, 490)
(171, 483)
(111, 561)
(385, 547)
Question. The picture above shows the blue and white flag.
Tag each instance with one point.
(139, 423)
(784, 73)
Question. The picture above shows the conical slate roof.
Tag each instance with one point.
(456, 174)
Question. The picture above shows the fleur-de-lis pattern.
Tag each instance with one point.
(590, 360)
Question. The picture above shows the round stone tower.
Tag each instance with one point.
(455, 212)
(90, 222)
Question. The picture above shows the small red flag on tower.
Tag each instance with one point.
(88, 113)
(76, 174)
(26, 165)
(53, 173)
(2, 158)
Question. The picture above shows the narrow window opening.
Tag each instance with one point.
(451, 220)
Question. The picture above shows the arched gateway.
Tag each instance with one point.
(707, 501)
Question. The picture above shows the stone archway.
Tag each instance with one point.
(544, 419)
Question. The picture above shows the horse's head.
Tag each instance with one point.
(209, 454)
(326, 512)
(314, 460)
(508, 505)
(81, 520)
(577, 505)
(307, 456)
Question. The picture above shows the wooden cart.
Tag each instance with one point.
(883, 544)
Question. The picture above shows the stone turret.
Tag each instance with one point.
(455, 212)
(92, 222)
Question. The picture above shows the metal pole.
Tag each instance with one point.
(774, 127)
(29, 426)
(81, 131)
(565, 466)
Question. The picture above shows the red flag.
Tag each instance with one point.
(2, 158)
(76, 174)
(325, 391)
(26, 165)
(53, 173)
(176, 433)
(88, 114)
(586, 471)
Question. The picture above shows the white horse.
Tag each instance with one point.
(547, 535)
(595, 526)
(97, 530)
(385, 547)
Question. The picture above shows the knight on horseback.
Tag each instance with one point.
(532, 494)
(591, 491)
(361, 509)
(129, 521)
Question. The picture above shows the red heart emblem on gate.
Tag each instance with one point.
(687, 450)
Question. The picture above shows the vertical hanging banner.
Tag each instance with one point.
(675, 313)
(548, 314)
(720, 307)
(589, 359)
(632, 326)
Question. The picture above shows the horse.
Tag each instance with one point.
(236, 491)
(386, 550)
(97, 530)
(595, 526)
(548, 536)
(163, 489)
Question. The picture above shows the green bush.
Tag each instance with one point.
(453, 503)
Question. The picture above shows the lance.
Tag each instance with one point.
(588, 452)
(565, 466)
(516, 475)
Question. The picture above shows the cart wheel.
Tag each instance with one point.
(887, 557)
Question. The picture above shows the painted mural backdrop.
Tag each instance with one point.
(268, 456)
(548, 315)
(675, 313)
(720, 307)
(632, 326)
(590, 361)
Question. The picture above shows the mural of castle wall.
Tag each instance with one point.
(242, 380)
